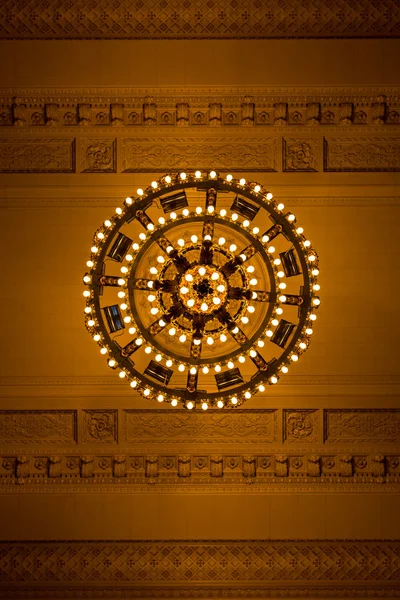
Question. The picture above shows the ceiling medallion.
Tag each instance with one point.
(210, 305)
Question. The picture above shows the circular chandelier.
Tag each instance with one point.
(216, 292)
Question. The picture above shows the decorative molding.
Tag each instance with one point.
(174, 20)
(200, 569)
(300, 154)
(34, 155)
(100, 426)
(38, 427)
(362, 154)
(98, 155)
(164, 154)
(301, 426)
(320, 472)
(162, 426)
(347, 426)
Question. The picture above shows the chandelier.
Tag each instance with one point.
(201, 290)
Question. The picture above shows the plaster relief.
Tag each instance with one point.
(300, 154)
(25, 155)
(38, 427)
(343, 426)
(300, 426)
(100, 426)
(98, 155)
(362, 154)
(164, 154)
(180, 427)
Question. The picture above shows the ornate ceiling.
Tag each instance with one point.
(174, 19)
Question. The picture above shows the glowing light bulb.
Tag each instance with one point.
(313, 317)
(261, 343)
(135, 246)
(312, 258)
(250, 269)
(96, 337)
(246, 223)
(118, 211)
(265, 239)
(256, 230)
(182, 338)
(316, 287)
(253, 281)
(231, 364)
(223, 337)
(158, 357)
(302, 345)
(89, 263)
(222, 212)
(247, 395)
(142, 236)
(197, 174)
(174, 402)
(132, 330)
(257, 188)
(86, 293)
(160, 259)
(202, 271)
(316, 301)
(242, 359)
(198, 210)
(122, 374)
(284, 369)
(232, 247)
(309, 331)
(160, 398)
(220, 404)
(148, 349)
(269, 333)
(213, 174)
(87, 279)
(315, 272)
(294, 357)
(275, 322)
(139, 192)
(243, 257)
(244, 320)
(229, 177)
(184, 290)
(88, 309)
(279, 311)
(235, 330)
(181, 368)
(150, 297)
(269, 196)
(221, 241)
(204, 307)
(127, 319)
(216, 300)
(169, 363)
(234, 400)
(193, 370)
(150, 226)
(133, 384)
(182, 175)
(299, 230)
(307, 243)
(172, 216)
(167, 179)
(251, 309)
(154, 310)
(181, 242)
(190, 302)
(273, 379)
(221, 288)
(189, 277)
(234, 217)
(205, 370)
(194, 238)
(242, 181)
(253, 353)
(282, 298)
(215, 276)
(94, 249)
(154, 184)
(124, 270)
(190, 405)
(172, 331)
(210, 341)
(281, 206)
(271, 249)
(146, 392)
(261, 388)
(91, 323)
(153, 270)
(138, 341)
(291, 218)
(185, 212)
(217, 368)
(204, 406)
(210, 209)
(123, 306)
(282, 285)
